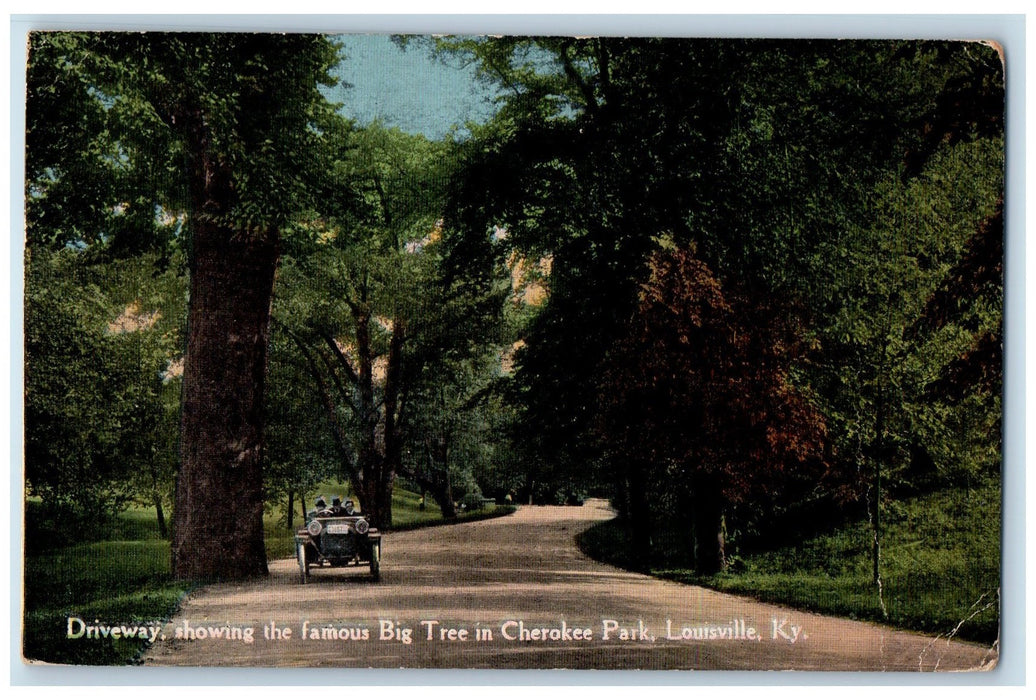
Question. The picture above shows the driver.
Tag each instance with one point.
(320, 505)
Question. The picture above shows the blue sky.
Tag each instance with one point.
(407, 88)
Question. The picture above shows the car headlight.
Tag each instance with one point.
(362, 526)
(314, 528)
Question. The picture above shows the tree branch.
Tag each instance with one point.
(584, 88)
(342, 359)
(337, 430)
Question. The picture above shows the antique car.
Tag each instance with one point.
(337, 536)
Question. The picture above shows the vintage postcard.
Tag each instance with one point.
(513, 352)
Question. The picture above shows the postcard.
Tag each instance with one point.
(513, 352)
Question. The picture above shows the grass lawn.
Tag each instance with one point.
(122, 580)
(126, 580)
(940, 567)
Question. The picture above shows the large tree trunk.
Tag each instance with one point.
(373, 483)
(383, 515)
(218, 524)
(376, 501)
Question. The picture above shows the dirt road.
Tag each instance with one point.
(515, 592)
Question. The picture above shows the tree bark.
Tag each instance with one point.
(383, 516)
(218, 525)
(375, 502)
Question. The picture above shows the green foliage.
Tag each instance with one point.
(101, 408)
(199, 142)
(873, 368)
(839, 181)
(116, 123)
(72, 163)
(603, 145)
(254, 96)
(71, 433)
(367, 319)
(300, 452)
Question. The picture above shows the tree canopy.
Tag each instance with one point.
(810, 178)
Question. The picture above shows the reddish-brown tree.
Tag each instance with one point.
(699, 394)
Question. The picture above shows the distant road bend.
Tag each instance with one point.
(515, 592)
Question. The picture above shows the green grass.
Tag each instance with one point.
(940, 567)
(125, 578)
(122, 580)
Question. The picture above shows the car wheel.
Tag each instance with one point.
(376, 561)
(303, 564)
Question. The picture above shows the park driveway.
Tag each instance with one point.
(516, 592)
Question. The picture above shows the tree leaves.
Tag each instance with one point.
(133, 98)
